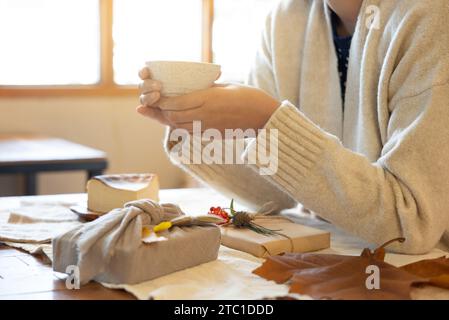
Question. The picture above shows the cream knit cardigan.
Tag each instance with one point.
(380, 170)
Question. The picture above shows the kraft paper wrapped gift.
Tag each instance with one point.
(110, 249)
(298, 238)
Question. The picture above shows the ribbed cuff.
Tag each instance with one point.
(206, 171)
(301, 146)
(236, 181)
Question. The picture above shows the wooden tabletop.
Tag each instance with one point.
(26, 149)
(23, 276)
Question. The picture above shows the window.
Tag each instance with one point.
(97, 46)
(45, 43)
(237, 33)
(154, 30)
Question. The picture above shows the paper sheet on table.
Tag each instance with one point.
(37, 223)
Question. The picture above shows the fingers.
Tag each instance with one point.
(182, 111)
(149, 88)
(185, 102)
(149, 85)
(144, 73)
(153, 113)
(149, 92)
(150, 99)
(160, 116)
(181, 117)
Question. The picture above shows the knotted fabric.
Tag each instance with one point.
(96, 241)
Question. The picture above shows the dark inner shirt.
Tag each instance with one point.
(342, 47)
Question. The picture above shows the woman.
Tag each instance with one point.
(366, 147)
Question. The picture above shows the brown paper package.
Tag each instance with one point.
(300, 238)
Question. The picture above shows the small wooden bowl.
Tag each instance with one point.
(85, 214)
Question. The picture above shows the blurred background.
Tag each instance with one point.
(68, 69)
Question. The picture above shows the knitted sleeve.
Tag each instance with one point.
(403, 194)
(236, 181)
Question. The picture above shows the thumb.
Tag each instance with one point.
(153, 113)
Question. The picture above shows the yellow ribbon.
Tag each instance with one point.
(162, 226)
(146, 232)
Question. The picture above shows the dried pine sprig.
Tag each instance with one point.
(242, 219)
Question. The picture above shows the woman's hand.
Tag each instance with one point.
(220, 107)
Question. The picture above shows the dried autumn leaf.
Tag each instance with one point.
(435, 270)
(347, 279)
(282, 267)
(324, 276)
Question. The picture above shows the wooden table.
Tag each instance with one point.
(23, 276)
(30, 154)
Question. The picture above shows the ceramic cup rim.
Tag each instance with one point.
(182, 62)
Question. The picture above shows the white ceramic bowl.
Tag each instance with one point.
(181, 77)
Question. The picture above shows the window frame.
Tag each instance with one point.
(106, 85)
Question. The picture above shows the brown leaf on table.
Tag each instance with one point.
(347, 280)
(282, 267)
(435, 270)
(324, 276)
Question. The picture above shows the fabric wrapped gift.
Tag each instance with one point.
(292, 237)
(110, 249)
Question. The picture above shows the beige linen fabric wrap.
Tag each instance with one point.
(110, 248)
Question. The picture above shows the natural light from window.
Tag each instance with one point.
(237, 34)
(57, 42)
(154, 30)
(49, 42)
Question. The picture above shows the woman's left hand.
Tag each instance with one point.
(220, 107)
